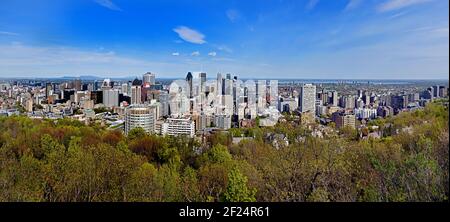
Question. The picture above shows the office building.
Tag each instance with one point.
(261, 95)
(333, 98)
(149, 79)
(435, 90)
(222, 121)
(273, 93)
(142, 116)
(110, 97)
(342, 119)
(136, 92)
(177, 127)
(307, 98)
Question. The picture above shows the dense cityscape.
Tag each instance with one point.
(197, 105)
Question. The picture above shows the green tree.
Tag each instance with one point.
(135, 133)
(237, 190)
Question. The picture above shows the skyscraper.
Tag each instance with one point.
(273, 93)
(48, 90)
(124, 88)
(148, 79)
(164, 100)
(136, 92)
(250, 98)
(307, 98)
(435, 91)
(77, 84)
(261, 95)
(219, 83)
(333, 98)
(203, 80)
(106, 84)
(110, 97)
(189, 78)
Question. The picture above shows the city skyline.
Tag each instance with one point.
(345, 39)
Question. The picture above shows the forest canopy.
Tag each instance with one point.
(65, 160)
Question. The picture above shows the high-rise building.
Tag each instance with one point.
(385, 111)
(202, 81)
(148, 79)
(333, 98)
(222, 121)
(442, 91)
(124, 88)
(307, 98)
(365, 113)
(219, 84)
(77, 84)
(228, 86)
(48, 90)
(189, 78)
(348, 102)
(29, 105)
(261, 95)
(111, 97)
(435, 91)
(323, 96)
(97, 96)
(136, 92)
(164, 100)
(142, 116)
(413, 97)
(399, 101)
(250, 99)
(200, 122)
(273, 93)
(107, 84)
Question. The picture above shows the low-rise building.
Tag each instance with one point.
(176, 127)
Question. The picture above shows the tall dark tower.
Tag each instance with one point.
(189, 81)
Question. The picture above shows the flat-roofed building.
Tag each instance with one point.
(177, 127)
(342, 120)
(142, 116)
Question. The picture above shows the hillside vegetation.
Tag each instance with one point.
(65, 160)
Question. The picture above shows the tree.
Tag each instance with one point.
(237, 190)
(137, 132)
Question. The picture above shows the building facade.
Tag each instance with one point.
(142, 116)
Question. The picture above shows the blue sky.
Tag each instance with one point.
(351, 39)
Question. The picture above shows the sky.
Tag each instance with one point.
(312, 39)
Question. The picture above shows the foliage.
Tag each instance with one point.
(66, 160)
(237, 190)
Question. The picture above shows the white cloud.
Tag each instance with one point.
(352, 4)
(21, 60)
(196, 53)
(176, 54)
(212, 54)
(312, 4)
(400, 14)
(9, 33)
(431, 32)
(233, 15)
(108, 4)
(224, 48)
(391, 5)
(190, 35)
